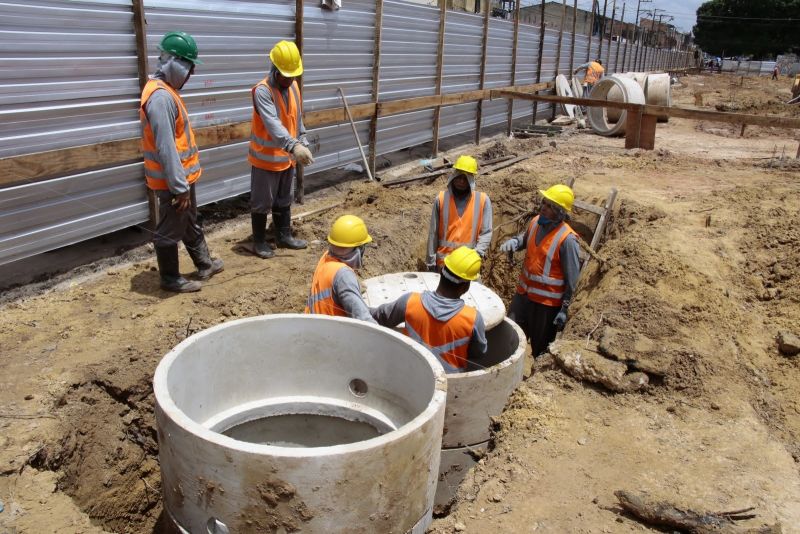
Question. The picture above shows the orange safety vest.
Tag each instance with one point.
(458, 230)
(449, 341)
(593, 73)
(542, 278)
(184, 140)
(264, 152)
(320, 298)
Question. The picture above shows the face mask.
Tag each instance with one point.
(176, 71)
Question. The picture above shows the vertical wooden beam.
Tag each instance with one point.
(484, 50)
(602, 32)
(619, 42)
(437, 112)
(558, 50)
(591, 32)
(644, 52)
(572, 45)
(140, 31)
(514, 53)
(300, 188)
(611, 33)
(376, 76)
(539, 61)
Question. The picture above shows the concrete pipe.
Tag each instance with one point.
(641, 78)
(563, 89)
(658, 92)
(299, 422)
(631, 93)
(615, 95)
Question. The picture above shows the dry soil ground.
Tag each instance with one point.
(702, 272)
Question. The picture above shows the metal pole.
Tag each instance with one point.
(479, 118)
(299, 172)
(602, 31)
(437, 112)
(539, 63)
(619, 42)
(376, 71)
(572, 46)
(611, 33)
(591, 32)
(560, 41)
(514, 52)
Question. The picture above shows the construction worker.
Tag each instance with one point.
(550, 272)
(172, 164)
(334, 288)
(594, 71)
(454, 332)
(775, 72)
(277, 143)
(461, 216)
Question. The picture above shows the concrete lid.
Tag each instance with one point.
(390, 287)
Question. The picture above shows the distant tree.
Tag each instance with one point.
(758, 28)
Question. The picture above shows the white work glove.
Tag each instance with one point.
(509, 246)
(302, 154)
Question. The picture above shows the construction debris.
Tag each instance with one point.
(586, 364)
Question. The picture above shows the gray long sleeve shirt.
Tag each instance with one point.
(347, 292)
(568, 252)
(162, 113)
(484, 235)
(442, 309)
(265, 106)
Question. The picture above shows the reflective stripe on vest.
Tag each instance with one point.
(320, 298)
(265, 152)
(593, 72)
(184, 141)
(543, 281)
(458, 230)
(448, 341)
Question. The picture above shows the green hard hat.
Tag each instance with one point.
(180, 44)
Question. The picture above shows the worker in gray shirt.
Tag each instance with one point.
(461, 216)
(172, 165)
(277, 144)
(550, 272)
(334, 288)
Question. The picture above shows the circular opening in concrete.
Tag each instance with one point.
(302, 430)
(410, 275)
(358, 387)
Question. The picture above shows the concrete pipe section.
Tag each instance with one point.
(658, 92)
(473, 397)
(563, 89)
(598, 116)
(615, 95)
(299, 422)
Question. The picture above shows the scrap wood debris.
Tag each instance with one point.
(664, 514)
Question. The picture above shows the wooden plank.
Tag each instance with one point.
(143, 69)
(499, 93)
(587, 206)
(647, 133)
(591, 34)
(479, 117)
(633, 129)
(439, 69)
(376, 74)
(325, 117)
(299, 174)
(539, 61)
(601, 223)
(514, 53)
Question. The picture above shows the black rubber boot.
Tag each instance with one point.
(282, 217)
(171, 279)
(206, 267)
(260, 246)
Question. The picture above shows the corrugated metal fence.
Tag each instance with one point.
(69, 78)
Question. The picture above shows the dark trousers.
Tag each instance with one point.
(270, 190)
(536, 320)
(174, 227)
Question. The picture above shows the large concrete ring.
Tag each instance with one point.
(658, 92)
(598, 118)
(234, 405)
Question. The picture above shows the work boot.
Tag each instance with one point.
(171, 279)
(260, 246)
(206, 267)
(282, 218)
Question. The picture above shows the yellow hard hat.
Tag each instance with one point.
(559, 194)
(286, 57)
(466, 164)
(349, 231)
(464, 262)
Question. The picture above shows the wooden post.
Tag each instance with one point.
(602, 32)
(619, 44)
(484, 49)
(591, 33)
(572, 45)
(633, 129)
(611, 33)
(376, 76)
(439, 69)
(300, 174)
(644, 53)
(140, 30)
(558, 51)
(539, 63)
(510, 124)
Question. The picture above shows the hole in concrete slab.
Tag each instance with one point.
(410, 275)
(358, 387)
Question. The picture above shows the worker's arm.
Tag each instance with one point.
(581, 67)
(518, 242)
(477, 345)
(162, 112)
(485, 236)
(433, 236)
(269, 115)
(347, 295)
(571, 266)
(391, 314)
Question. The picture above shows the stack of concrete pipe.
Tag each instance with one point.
(308, 423)
(657, 92)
